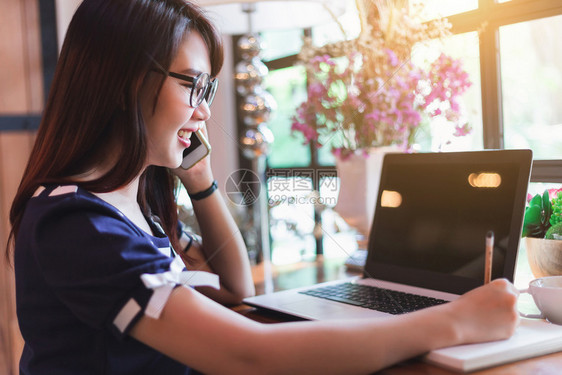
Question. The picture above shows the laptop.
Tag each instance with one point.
(427, 240)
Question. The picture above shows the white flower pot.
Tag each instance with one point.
(359, 186)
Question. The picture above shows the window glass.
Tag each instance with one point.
(437, 136)
(432, 9)
(280, 43)
(338, 239)
(288, 87)
(291, 216)
(531, 66)
(292, 206)
(325, 156)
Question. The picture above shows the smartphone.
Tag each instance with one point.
(199, 148)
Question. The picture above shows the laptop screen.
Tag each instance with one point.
(433, 213)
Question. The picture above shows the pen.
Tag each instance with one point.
(488, 259)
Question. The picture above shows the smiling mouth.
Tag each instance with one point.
(183, 134)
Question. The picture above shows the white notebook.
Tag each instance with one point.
(532, 338)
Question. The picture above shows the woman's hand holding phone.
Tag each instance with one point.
(195, 172)
(199, 148)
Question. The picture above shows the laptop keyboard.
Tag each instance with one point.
(385, 300)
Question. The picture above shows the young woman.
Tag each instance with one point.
(96, 232)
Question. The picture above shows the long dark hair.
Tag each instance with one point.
(94, 101)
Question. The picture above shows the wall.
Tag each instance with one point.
(65, 9)
(21, 92)
(223, 134)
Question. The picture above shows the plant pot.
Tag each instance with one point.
(359, 185)
(545, 256)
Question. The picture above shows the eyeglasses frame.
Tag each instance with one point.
(210, 89)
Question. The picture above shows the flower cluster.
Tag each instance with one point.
(543, 215)
(367, 92)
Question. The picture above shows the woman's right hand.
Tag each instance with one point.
(486, 313)
(200, 176)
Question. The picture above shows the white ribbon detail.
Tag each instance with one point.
(163, 284)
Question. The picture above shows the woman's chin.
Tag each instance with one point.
(171, 164)
(178, 163)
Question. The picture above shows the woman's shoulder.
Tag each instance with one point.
(70, 215)
(54, 192)
(67, 206)
(61, 198)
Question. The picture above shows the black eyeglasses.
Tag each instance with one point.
(202, 87)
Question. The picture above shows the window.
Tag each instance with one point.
(531, 76)
(510, 49)
(288, 87)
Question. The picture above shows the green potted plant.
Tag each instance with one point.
(542, 229)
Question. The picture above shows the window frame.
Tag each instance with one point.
(488, 19)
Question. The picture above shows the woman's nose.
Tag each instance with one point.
(202, 112)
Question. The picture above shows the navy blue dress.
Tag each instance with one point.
(78, 262)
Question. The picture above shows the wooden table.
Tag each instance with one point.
(309, 273)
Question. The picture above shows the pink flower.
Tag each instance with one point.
(461, 131)
(316, 89)
(342, 153)
(553, 193)
(392, 59)
(308, 132)
(353, 109)
(322, 59)
(375, 115)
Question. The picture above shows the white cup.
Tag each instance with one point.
(547, 294)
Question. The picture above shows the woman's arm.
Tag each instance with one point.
(223, 248)
(212, 339)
